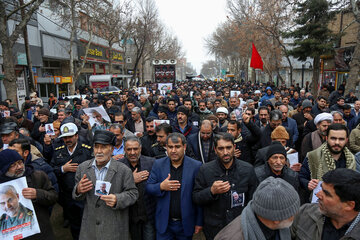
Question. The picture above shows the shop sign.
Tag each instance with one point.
(21, 59)
(66, 79)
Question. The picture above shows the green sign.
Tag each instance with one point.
(21, 59)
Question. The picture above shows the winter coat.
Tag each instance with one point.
(100, 221)
(217, 208)
(309, 223)
(354, 140)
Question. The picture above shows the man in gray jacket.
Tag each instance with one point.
(105, 217)
(268, 216)
(337, 213)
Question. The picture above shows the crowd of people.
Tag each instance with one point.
(234, 160)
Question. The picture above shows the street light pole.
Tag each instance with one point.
(303, 72)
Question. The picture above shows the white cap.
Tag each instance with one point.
(222, 110)
(257, 91)
(68, 129)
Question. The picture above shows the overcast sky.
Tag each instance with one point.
(192, 21)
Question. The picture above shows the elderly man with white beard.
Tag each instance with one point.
(106, 216)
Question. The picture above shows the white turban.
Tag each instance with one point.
(323, 117)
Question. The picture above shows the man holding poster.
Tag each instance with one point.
(25, 197)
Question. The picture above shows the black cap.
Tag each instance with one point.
(8, 128)
(104, 137)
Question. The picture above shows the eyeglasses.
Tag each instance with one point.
(121, 122)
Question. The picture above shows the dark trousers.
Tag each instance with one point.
(142, 230)
(174, 231)
(73, 210)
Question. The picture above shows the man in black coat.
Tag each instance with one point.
(275, 120)
(39, 131)
(65, 161)
(202, 143)
(142, 222)
(149, 137)
(276, 167)
(223, 187)
(244, 144)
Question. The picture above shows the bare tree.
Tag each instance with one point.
(116, 21)
(82, 18)
(355, 62)
(8, 37)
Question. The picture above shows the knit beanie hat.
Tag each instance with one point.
(280, 132)
(8, 157)
(275, 200)
(183, 110)
(275, 148)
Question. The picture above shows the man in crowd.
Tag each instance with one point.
(203, 111)
(316, 138)
(193, 116)
(201, 143)
(223, 187)
(275, 120)
(118, 130)
(320, 106)
(39, 131)
(339, 104)
(142, 221)
(289, 123)
(356, 110)
(119, 118)
(337, 213)
(257, 222)
(222, 114)
(149, 137)
(65, 161)
(171, 181)
(39, 190)
(329, 156)
(264, 114)
(276, 166)
(244, 144)
(106, 216)
(137, 123)
(183, 125)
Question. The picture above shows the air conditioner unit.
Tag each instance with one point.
(172, 61)
(156, 62)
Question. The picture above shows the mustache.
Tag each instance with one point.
(99, 155)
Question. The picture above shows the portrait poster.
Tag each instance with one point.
(18, 219)
(164, 87)
(102, 188)
(49, 129)
(6, 113)
(235, 93)
(142, 90)
(157, 122)
(318, 188)
(90, 112)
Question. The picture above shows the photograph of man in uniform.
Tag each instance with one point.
(15, 213)
(102, 190)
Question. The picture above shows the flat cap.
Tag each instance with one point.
(104, 137)
(44, 111)
(8, 128)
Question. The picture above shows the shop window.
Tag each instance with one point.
(42, 90)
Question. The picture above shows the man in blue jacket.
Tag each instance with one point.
(171, 181)
(289, 123)
(269, 95)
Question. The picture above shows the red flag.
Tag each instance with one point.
(256, 61)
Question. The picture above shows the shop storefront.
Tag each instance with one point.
(97, 61)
